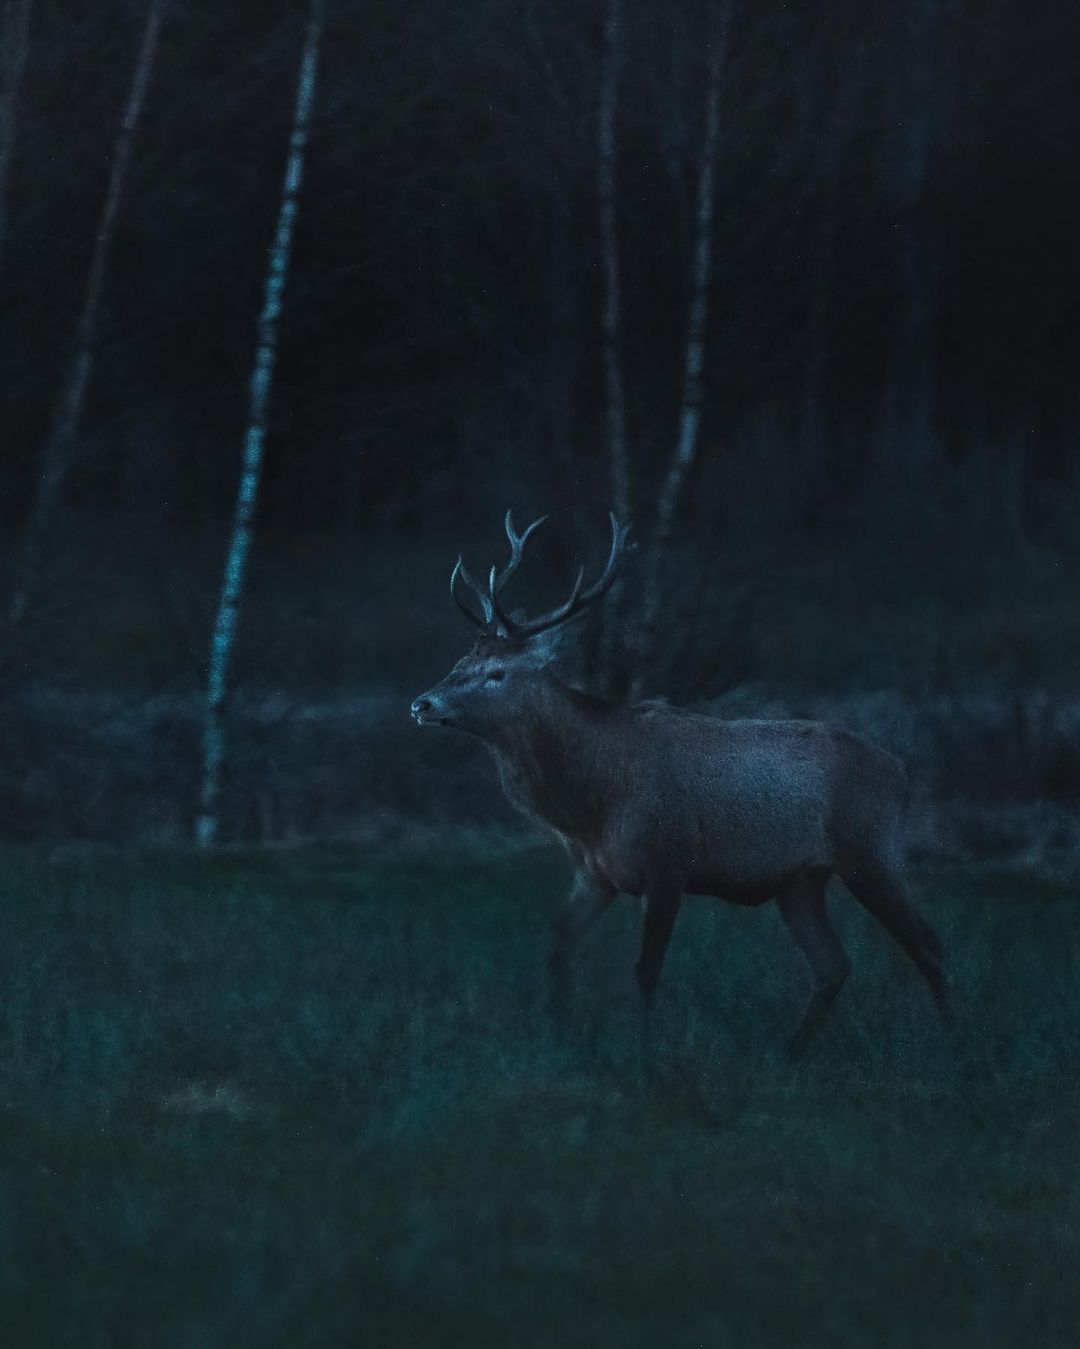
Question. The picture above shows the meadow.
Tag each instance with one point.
(318, 1096)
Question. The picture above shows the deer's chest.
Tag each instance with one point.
(519, 791)
(555, 800)
(534, 797)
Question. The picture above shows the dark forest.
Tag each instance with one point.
(297, 300)
(893, 287)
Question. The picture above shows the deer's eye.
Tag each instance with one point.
(495, 675)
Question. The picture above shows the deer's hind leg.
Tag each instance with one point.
(657, 925)
(802, 906)
(878, 888)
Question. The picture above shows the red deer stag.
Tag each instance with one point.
(655, 801)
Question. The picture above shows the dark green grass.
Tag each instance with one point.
(315, 1098)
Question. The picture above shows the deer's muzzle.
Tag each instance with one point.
(427, 712)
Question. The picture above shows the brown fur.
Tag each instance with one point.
(655, 802)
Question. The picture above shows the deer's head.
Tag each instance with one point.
(497, 680)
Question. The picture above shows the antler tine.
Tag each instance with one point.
(579, 599)
(501, 622)
(619, 535)
(459, 570)
(497, 622)
(517, 546)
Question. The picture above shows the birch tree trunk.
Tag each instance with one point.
(909, 409)
(686, 444)
(562, 356)
(266, 350)
(823, 268)
(58, 450)
(608, 658)
(611, 328)
(14, 41)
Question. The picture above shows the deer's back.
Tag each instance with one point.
(738, 807)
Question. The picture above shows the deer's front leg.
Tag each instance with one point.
(589, 897)
(661, 910)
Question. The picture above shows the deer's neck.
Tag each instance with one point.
(557, 763)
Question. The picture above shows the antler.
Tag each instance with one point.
(498, 623)
(492, 622)
(459, 570)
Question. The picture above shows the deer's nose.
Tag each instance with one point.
(420, 706)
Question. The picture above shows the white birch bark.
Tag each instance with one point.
(58, 450)
(686, 444)
(14, 42)
(266, 350)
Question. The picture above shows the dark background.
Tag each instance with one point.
(310, 1088)
(440, 351)
(885, 498)
(440, 354)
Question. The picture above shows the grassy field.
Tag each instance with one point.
(312, 1098)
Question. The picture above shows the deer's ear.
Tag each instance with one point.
(546, 647)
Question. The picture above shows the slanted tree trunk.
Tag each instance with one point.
(58, 450)
(14, 42)
(609, 655)
(262, 376)
(686, 445)
(921, 114)
(562, 354)
(611, 328)
(812, 443)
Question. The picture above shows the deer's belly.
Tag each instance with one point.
(742, 879)
(737, 890)
(632, 878)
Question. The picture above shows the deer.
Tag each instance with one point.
(656, 801)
